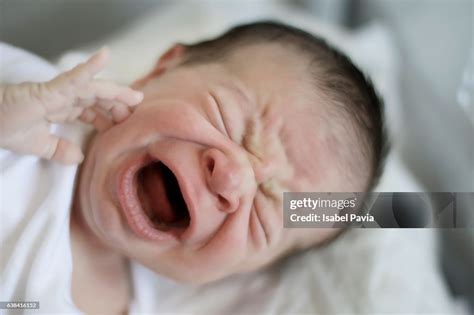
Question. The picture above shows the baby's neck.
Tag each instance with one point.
(100, 276)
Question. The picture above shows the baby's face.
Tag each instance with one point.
(191, 183)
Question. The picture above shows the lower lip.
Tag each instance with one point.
(128, 197)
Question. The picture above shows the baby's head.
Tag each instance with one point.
(191, 183)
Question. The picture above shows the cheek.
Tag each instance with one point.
(168, 118)
(99, 206)
(225, 254)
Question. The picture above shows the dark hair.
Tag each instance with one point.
(345, 86)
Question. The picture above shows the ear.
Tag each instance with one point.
(170, 59)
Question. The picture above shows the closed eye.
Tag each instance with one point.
(269, 189)
(221, 116)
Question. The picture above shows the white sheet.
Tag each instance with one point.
(366, 271)
(35, 201)
(35, 205)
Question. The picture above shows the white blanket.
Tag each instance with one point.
(365, 271)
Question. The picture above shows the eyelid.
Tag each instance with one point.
(252, 138)
(221, 115)
(269, 190)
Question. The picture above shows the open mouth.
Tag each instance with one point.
(152, 199)
(161, 198)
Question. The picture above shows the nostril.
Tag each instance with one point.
(210, 166)
(223, 202)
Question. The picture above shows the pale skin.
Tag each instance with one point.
(249, 117)
(253, 120)
(28, 109)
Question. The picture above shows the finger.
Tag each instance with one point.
(120, 112)
(86, 71)
(87, 116)
(107, 90)
(106, 105)
(96, 63)
(83, 72)
(74, 113)
(61, 150)
(96, 118)
(86, 101)
(58, 116)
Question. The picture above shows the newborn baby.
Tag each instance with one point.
(191, 183)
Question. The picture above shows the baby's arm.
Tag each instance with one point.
(28, 109)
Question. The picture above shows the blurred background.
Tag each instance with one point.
(434, 40)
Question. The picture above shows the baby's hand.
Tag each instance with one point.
(28, 109)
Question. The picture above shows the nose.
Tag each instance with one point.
(224, 179)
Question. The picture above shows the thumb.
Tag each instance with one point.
(62, 150)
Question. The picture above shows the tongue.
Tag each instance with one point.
(155, 194)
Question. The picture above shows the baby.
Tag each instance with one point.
(189, 183)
